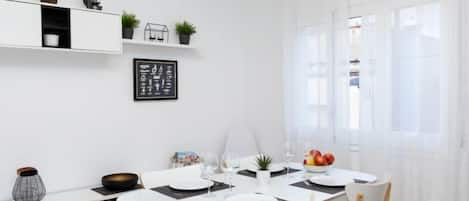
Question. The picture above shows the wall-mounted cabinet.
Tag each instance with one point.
(27, 25)
(21, 24)
(103, 35)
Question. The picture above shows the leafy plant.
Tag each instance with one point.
(129, 20)
(263, 162)
(185, 28)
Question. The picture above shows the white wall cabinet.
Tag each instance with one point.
(88, 30)
(95, 31)
(21, 24)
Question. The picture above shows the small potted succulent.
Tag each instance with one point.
(263, 172)
(129, 23)
(185, 30)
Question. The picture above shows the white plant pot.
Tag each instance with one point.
(51, 40)
(263, 177)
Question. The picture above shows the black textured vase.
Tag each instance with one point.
(184, 39)
(28, 186)
(127, 33)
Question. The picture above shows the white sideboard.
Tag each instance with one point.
(89, 30)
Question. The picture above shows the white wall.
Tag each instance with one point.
(73, 116)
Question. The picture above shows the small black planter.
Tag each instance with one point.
(184, 39)
(127, 33)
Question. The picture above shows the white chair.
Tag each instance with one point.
(139, 195)
(241, 140)
(165, 177)
(368, 192)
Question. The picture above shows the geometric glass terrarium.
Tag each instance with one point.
(156, 32)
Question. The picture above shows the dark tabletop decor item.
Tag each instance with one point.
(49, 1)
(121, 181)
(129, 23)
(185, 30)
(28, 186)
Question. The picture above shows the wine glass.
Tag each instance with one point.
(231, 164)
(306, 149)
(289, 154)
(209, 166)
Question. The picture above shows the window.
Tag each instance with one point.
(355, 25)
(317, 77)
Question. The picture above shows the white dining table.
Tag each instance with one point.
(278, 187)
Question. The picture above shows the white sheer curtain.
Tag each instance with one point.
(413, 94)
(316, 84)
(409, 135)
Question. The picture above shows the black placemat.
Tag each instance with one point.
(104, 191)
(274, 174)
(115, 199)
(178, 194)
(315, 187)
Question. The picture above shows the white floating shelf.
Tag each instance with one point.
(68, 50)
(154, 44)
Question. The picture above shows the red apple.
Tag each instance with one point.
(314, 152)
(319, 160)
(330, 158)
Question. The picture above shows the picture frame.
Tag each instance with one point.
(155, 79)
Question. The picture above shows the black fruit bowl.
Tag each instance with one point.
(121, 181)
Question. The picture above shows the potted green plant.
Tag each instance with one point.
(185, 30)
(129, 23)
(263, 172)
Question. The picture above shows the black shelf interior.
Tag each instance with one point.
(56, 21)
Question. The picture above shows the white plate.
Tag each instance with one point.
(365, 178)
(317, 169)
(250, 197)
(273, 168)
(191, 185)
(333, 181)
(142, 194)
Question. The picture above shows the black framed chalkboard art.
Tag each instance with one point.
(155, 80)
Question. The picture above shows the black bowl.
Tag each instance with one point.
(121, 181)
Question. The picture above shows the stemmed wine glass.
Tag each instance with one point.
(230, 165)
(209, 166)
(289, 154)
(306, 148)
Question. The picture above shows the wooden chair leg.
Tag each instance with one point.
(359, 197)
(387, 196)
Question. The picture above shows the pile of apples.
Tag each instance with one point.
(315, 158)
